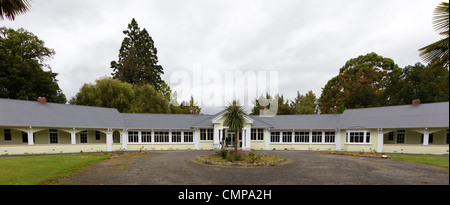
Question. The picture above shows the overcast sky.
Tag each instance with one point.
(305, 42)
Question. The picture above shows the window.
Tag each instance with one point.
(188, 137)
(401, 136)
(83, 137)
(133, 137)
(7, 133)
(391, 136)
(24, 137)
(97, 135)
(176, 136)
(161, 136)
(302, 137)
(357, 137)
(260, 134)
(287, 137)
(316, 137)
(53, 135)
(206, 134)
(253, 134)
(257, 134)
(146, 136)
(329, 137)
(274, 136)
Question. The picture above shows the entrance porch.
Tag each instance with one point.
(44, 140)
(416, 141)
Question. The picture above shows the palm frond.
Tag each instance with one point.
(11, 8)
(437, 52)
(441, 18)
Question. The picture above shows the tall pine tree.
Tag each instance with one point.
(138, 63)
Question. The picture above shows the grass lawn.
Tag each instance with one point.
(441, 161)
(45, 169)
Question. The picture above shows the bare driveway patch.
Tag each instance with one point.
(303, 168)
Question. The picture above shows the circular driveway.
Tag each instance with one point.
(302, 168)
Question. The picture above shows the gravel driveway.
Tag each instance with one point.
(302, 168)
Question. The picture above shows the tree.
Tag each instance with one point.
(149, 100)
(192, 106)
(258, 104)
(11, 8)
(410, 83)
(23, 58)
(138, 59)
(234, 119)
(360, 83)
(304, 104)
(106, 92)
(281, 106)
(437, 52)
(113, 93)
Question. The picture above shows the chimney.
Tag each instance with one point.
(335, 110)
(416, 102)
(42, 100)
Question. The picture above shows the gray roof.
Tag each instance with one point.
(162, 121)
(36, 114)
(401, 116)
(207, 122)
(300, 121)
(258, 122)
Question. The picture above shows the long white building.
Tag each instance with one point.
(31, 127)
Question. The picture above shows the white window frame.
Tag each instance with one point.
(260, 135)
(320, 137)
(177, 137)
(275, 134)
(87, 137)
(53, 131)
(188, 135)
(133, 134)
(253, 134)
(347, 137)
(162, 137)
(329, 135)
(396, 136)
(301, 137)
(287, 137)
(146, 137)
(209, 134)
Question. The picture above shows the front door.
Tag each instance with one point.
(230, 139)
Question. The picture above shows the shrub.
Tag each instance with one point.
(254, 157)
(223, 153)
(232, 156)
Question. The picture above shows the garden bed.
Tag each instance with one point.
(229, 158)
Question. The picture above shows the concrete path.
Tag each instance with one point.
(303, 168)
